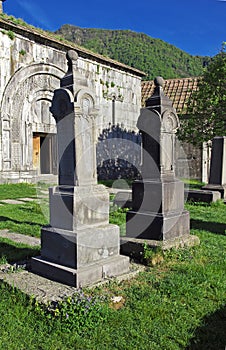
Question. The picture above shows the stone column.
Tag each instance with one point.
(217, 178)
(79, 247)
(158, 199)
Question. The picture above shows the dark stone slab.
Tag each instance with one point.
(218, 162)
(217, 188)
(202, 195)
(148, 225)
(217, 179)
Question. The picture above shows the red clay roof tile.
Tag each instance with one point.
(178, 90)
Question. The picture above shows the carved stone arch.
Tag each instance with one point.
(85, 100)
(27, 97)
(40, 97)
(170, 121)
(84, 92)
(149, 121)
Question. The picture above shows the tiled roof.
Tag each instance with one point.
(178, 90)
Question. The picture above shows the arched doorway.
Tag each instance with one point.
(28, 128)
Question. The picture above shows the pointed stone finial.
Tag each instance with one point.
(72, 58)
(73, 79)
(158, 99)
(159, 81)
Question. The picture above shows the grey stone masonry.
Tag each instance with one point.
(158, 199)
(32, 65)
(79, 247)
(217, 178)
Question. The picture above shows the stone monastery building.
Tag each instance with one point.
(31, 66)
(32, 63)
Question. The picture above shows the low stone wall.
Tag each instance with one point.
(119, 156)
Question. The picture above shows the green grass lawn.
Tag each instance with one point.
(177, 304)
(14, 191)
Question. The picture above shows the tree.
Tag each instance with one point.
(206, 108)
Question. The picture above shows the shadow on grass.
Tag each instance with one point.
(13, 252)
(211, 336)
(213, 227)
(5, 218)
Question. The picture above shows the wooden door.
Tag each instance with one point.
(45, 155)
(36, 153)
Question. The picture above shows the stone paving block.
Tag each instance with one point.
(11, 201)
(20, 238)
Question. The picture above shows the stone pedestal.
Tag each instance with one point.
(79, 247)
(217, 178)
(157, 211)
(84, 276)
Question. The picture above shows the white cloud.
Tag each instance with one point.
(36, 12)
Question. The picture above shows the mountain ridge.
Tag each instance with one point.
(138, 50)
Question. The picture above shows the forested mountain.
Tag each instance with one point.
(153, 56)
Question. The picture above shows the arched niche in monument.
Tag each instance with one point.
(169, 126)
(25, 117)
(86, 138)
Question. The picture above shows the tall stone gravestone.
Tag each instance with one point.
(217, 178)
(158, 199)
(79, 247)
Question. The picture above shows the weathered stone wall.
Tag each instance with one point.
(119, 156)
(31, 65)
(30, 70)
(188, 161)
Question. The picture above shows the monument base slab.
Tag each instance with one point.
(202, 195)
(75, 249)
(84, 276)
(134, 247)
(218, 188)
(152, 226)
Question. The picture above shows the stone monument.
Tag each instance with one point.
(158, 199)
(79, 247)
(217, 178)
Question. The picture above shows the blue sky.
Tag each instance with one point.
(195, 26)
